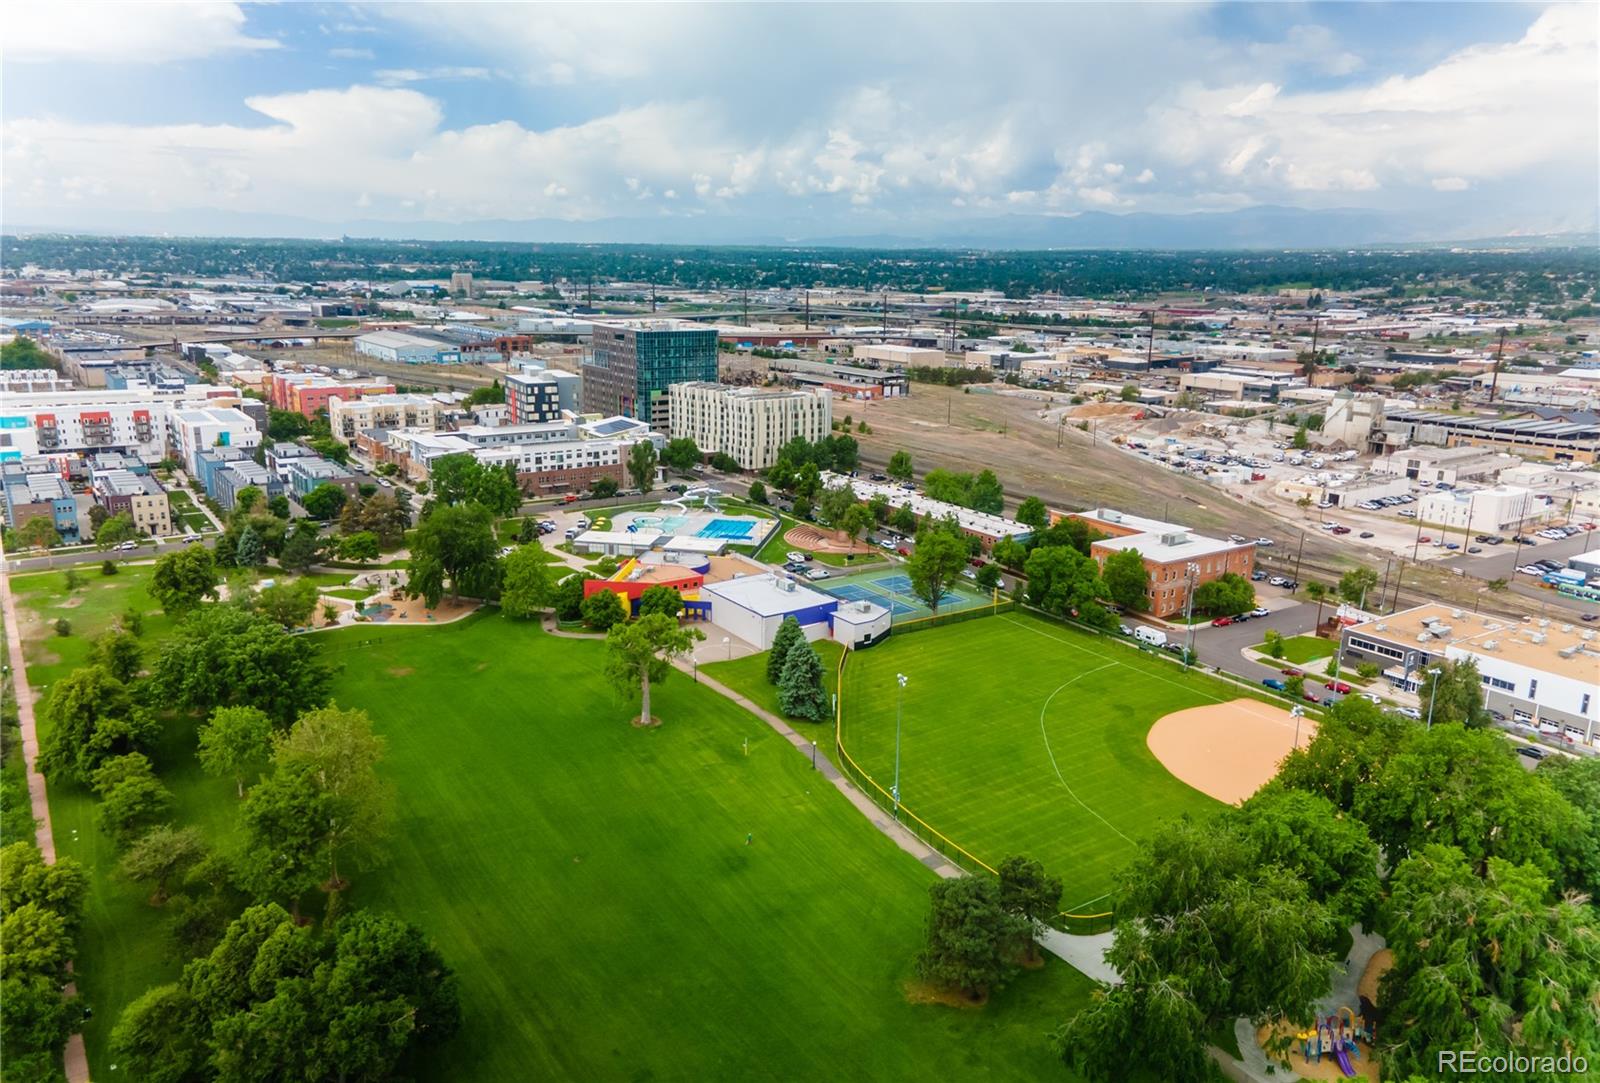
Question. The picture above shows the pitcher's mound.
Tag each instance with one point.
(1230, 750)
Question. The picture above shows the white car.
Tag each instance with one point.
(123, 547)
(1407, 712)
(1278, 581)
(1260, 611)
(794, 556)
(1264, 542)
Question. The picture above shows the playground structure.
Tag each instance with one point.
(636, 576)
(1336, 1046)
(707, 494)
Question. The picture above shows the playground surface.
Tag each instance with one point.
(1022, 736)
(1227, 750)
(891, 588)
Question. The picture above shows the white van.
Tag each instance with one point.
(1153, 636)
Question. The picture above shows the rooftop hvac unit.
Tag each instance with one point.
(1568, 652)
(1423, 637)
(1544, 622)
(1455, 614)
(1491, 644)
(1586, 636)
(1566, 627)
(1380, 627)
(1538, 637)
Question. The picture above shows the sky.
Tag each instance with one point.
(856, 118)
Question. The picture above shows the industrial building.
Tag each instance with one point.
(749, 423)
(1177, 559)
(848, 381)
(889, 353)
(1543, 673)
(403, 348)
(1564, 441)
(632, 366)
(1450, 465)
(1495, 510)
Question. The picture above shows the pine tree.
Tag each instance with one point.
(800, 692)
(788, 632)
(250, 553)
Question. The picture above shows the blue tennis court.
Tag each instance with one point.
(892, 590)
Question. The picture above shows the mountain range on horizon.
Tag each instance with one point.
(1262, 227)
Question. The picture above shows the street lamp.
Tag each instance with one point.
(1434, 696)
(899, 701)
(1193, 571)
(726, 642)
(1297, 712)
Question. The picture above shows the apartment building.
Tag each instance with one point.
(307, 392)
(308, 472)
(194, 431)
(1176, 558)
(749, 423)
(554, 458)
(348, 417)
(542, 395)
(1543, 673)
(30, 496)
(140, 496)
(63, 424)
(633, 365)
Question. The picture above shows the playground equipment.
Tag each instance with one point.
(706, 493)
(1336, 1037)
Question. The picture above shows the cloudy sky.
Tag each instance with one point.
(862, 117)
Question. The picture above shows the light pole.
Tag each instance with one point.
(1193, 570)
(898, 703)
(1297, 712)
(1433, 696)
(813, 755)
(726, 642)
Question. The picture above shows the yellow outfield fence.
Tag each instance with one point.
(1081, 924)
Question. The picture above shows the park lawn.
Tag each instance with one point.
(591, 885)
(1302, 649)
(351, 594)
(748, 677)
(1022, 736)
(92, 607)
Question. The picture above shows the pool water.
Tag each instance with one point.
(728, 529)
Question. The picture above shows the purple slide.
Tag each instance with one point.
(1344, 1061)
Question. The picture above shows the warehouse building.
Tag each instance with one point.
(753, 606)
(401, 348)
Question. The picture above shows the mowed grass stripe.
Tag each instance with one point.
(973, 757)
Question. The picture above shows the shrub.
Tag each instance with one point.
(63, 627)
(108, 567)
(1367, 670)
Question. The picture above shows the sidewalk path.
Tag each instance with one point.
(1083, 953)
(76, 1059)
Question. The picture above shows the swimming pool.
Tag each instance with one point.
(727, 529)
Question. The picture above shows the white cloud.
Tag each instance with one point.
(1450, 184)
(136, 33)
(347, 53)
(398, 76)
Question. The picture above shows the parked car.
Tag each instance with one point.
(1265, 543)
(1260, 611)
(1407, 712)
(1474, 548)
(1277, 581)
(1125, 630)
(1533, 752)
(123, 547)
(1310, 696)
(968, 573)
(1338, 686)
(903, 551)
(1365, 534)
(1589, 618)
(1258, 577)
(1452, 545)
(1291, 672)
(1274, 684)
(878, 477)
(794, 556)
(1222, 622)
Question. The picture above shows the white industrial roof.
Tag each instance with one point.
(768, 595)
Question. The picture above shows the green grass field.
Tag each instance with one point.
(748, 677)
(1298, 650)
(590, 882)
(1023, 736)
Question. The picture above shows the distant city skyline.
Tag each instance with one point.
(991, 124)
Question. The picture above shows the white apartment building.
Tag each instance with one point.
(194, 431)
(59, 424)
(346, 417)
(1481, 511)
(749, 423)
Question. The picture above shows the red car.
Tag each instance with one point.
(1311, 697)
(1338, 686)
(903, 551)
(1291, 672)
(1222, 622)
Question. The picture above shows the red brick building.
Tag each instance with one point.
(1169, 550)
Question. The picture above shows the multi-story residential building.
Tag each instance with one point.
(139, 495)
(1177, 559)
(749, 423)
(59, 425)
(211, 460)
(307, 392)
(1544, 673)
(542, 395)
(308, 472)
(29, 496)
(633, 365)
(347, 417)
(239, 474)
(555, 458)
(193, 431)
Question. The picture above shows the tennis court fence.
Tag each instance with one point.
(966, 860)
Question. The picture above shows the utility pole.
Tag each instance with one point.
(1494, 382)
(1188, 613)
(1150, 347)
(1311, 360)
(1399, 574)
(885, 297)
(745, 294)
(1298, 554)
(808, 310)
(899, 702)
(591, 291)
(652, 297)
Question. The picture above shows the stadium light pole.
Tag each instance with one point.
(899, 701)
(1188, 613)
(1434, 696)
(1298, 712)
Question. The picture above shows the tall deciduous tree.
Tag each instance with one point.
(337, 752)
(91, 718)
(526, 586)
(971, 937)
(132, 799)
(234, 741)
(987, 495)
(899, 466)
(1032, 512)
(935, 565)
(454, 545)
(1127, 580)
(115, 530)
(288, 603)
(184, 579)
(42, 907)
(642, 465)
(639, 654)
(1063, 581)
(119, 652)
(38, 532)
(1356, 584)
(223, 656)
(161, 854)
(603, 610)
(1455, 694)
(681, 453)
(660, 599)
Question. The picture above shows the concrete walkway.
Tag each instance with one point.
(76, 1060)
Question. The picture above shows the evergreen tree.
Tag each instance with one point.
(800, 691)
(788, 633)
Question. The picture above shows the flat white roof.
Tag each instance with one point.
(645, 538)
(859, 612)
(1152, 547)
(693, 545)
(768, 595)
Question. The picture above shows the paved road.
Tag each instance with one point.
(1500, 561)
(146, 551)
